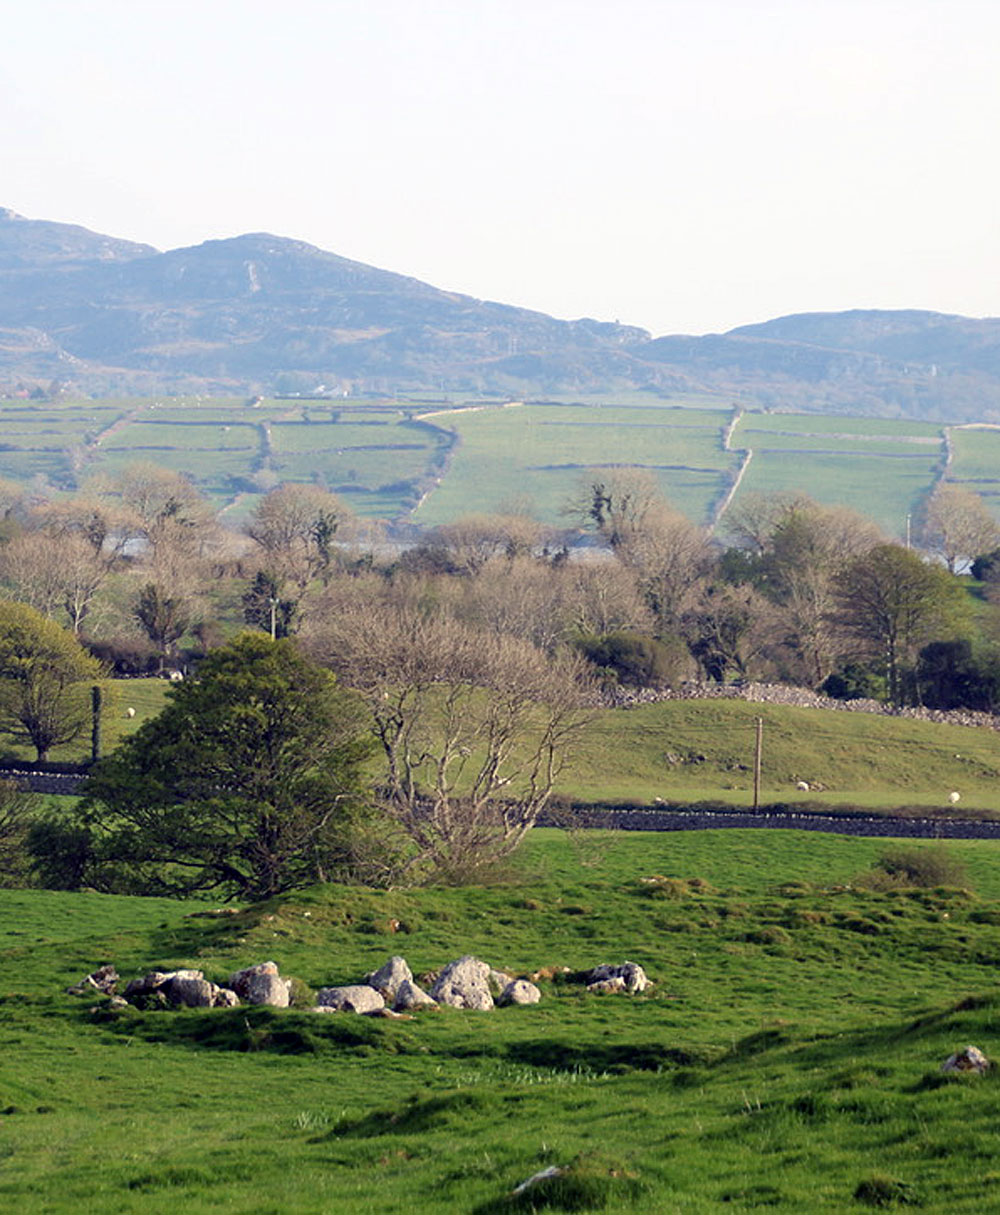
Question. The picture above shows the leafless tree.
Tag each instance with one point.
(958, 527)
(294, 526)
(474, 727)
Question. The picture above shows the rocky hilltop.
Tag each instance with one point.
(262, 313)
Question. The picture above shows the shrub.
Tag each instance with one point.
(125, 655)
(636, 660)
(921, 867)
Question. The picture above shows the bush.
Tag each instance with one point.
(636, 660)
(125, 655)
(921, 867)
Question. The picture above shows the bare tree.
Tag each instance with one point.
(294, 526)
(958, 527)
(474, 728)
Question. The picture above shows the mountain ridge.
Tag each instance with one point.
(264, 313)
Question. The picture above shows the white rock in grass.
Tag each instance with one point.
(359, 998)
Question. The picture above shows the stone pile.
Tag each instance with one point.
(466, 983)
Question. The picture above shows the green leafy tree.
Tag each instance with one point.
(264, 607)
(164, 617)
(892, 603)
(43, 676)
(248, 782)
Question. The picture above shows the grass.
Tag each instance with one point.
(787, 1058)
(382, 457)
(696, 750)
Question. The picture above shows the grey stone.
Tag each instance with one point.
(190, 993)
(225, 998)
(519, 991)
(464, 983)
(607, 987)
(267, 989)
(499, 981)
(631, 973)
(359, 998)
(412, 996)
(388, 979)
(261, 984)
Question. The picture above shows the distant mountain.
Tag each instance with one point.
(261, 313)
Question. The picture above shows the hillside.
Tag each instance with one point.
(261, 313)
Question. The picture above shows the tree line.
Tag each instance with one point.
(407, 718)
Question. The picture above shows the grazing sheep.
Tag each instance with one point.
(130, 712)
(802, 785)
(954, 797)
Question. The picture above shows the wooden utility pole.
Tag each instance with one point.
(95, 724)
(758, 750)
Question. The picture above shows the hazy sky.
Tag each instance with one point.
(683, 165)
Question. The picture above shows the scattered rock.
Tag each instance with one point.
(225, 998)
(359, 998)
(388, 979)
(104, 980)
(390, 1014)
(464, 983)
(631, 973)
(412, 996)
(607, 987)
(971, 1059)
(499, 981)
(261, 984)
(519, 991)
(190, 992)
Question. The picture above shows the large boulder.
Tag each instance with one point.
(359, 998)
(388, 979)
(261, 984)
(632, 975)
(410, 996)
(519, 991)
(185, 992)
(464, 983)
(158, 988)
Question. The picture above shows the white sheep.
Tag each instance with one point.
(130, 712)
(954, 797)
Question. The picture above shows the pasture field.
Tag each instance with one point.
(787, 1057)
(540, 453)
(435, 460)
(702, 750)
(976, 462)
(883, 488)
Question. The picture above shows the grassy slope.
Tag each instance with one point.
(703, 749)
(789, 1052)
(697, 750)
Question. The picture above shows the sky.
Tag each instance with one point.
(686, 166)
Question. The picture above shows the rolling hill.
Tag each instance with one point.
(262, 314)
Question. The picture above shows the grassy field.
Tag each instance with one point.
(540, 453)
(385, 457)
(787, 1058)
(703, 750)
(693, 750)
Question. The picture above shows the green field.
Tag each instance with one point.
(540, 454)
(702, 750)
(436, 460)
(787, 1058)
